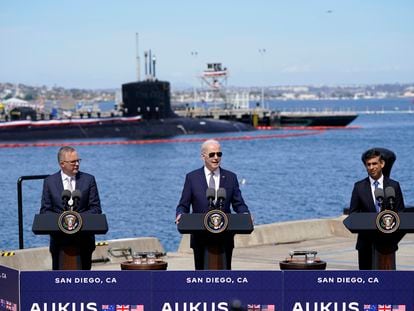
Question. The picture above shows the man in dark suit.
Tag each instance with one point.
(70, 178)
(194, 195)
(363, 200)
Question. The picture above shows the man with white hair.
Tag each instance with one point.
(211, 175)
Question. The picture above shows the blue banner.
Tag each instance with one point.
(85, 290)
(348, 290)
(207, 290)
(216, 290)
(9, 289)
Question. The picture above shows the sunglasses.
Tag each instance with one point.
(212, 154)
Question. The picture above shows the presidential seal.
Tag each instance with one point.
(216, 221)
(388, 221)
(70, 222)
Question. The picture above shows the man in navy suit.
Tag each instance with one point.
(70, 178)
(363, 200)
(194, 195)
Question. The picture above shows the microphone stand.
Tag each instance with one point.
(221, 203)
(380, 203)
(391, 203)
(211, 203)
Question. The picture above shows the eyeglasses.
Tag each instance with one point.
(73, 162)
(212, 154)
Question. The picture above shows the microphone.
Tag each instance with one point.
(221, 197)
(76, 197)
(379, 196)
(66, 195)
(211, 195)
(390, 195)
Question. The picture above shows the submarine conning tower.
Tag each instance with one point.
(150, 98)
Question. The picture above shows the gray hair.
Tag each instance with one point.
(208, 142)
(63, 150)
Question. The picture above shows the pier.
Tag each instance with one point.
(262, 250)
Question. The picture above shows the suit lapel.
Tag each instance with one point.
(368, 195)
(78, 181)
(223, 178)
(58, 182)
(202, 178)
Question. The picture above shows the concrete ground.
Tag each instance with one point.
(261, 250)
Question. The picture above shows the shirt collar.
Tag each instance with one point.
(64, 176)
(380, 181)
(216, 171)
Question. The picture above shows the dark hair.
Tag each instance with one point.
(372, 153)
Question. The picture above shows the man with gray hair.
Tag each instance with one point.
(70, 178)
(211, 175)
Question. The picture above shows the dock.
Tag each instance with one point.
(262, 250)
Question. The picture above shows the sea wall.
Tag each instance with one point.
(284, 232)
(106, 253)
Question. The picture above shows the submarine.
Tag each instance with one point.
(145, 114)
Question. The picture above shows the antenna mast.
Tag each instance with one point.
(138, 60)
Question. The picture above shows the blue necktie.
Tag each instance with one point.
(377, 204)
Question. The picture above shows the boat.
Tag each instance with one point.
(221, 104)
(313, 118)
(145, 114)
(259, 117)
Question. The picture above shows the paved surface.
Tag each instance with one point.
(261, 250)
(338, 252)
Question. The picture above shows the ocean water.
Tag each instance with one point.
(284, 174)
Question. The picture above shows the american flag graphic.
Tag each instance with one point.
(267, 308)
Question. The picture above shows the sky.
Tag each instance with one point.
(91, 44)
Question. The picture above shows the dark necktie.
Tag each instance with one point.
(377, 205)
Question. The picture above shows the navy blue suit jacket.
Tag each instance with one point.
(52, 203)
(194, 198)
(194, 193)
(363, 202)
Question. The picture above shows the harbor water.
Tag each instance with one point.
(283, 174)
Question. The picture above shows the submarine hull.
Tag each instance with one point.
(146, 114)
(137, 129)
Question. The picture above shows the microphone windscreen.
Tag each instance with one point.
(76, 194)
(66, 195)
(390, 192)
(210, 193)
(221, 194)
(379, 194)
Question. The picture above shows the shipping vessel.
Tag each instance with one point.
(215, 101)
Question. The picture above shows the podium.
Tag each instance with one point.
(385, 244)
(214, 251)
(49, 223)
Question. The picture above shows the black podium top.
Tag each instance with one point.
(48, 223)
(194, 223)
(365, 222)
